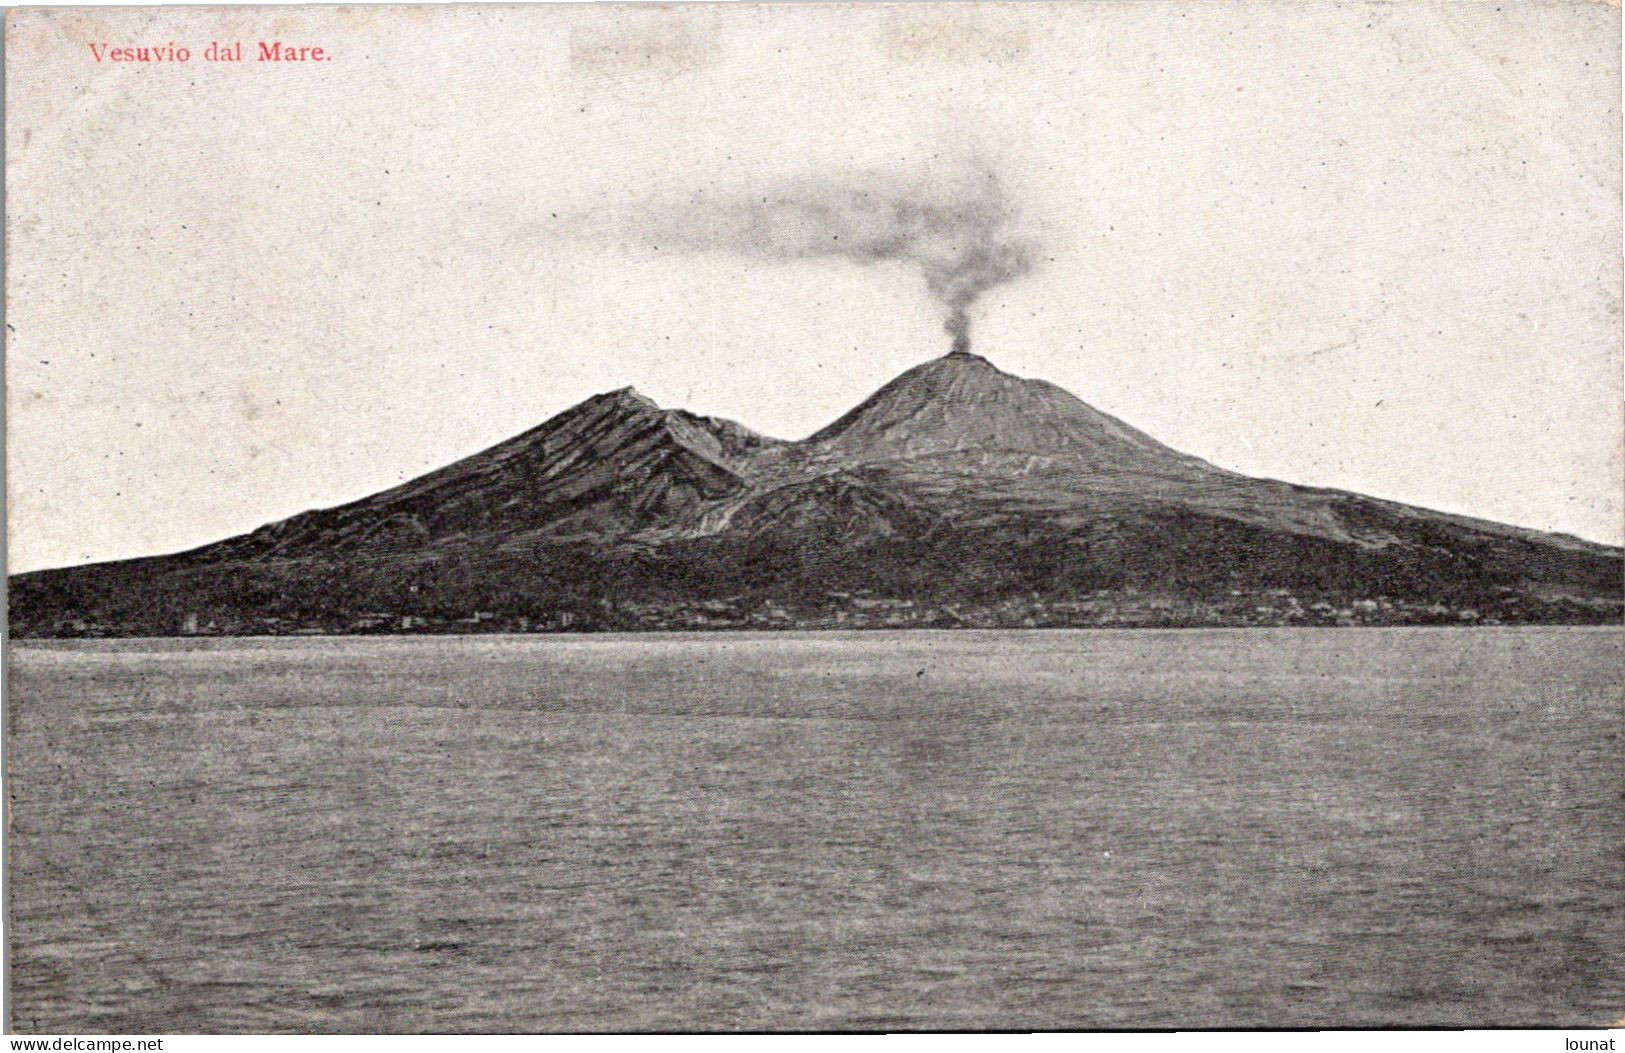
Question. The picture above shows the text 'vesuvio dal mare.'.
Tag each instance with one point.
(216, 51)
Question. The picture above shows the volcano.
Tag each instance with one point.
(962, 402)
(957, 495)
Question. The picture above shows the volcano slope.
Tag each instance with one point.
(956, 496)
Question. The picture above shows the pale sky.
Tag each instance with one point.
(1371, 247)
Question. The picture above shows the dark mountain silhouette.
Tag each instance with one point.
(956, 495)
(961, 402)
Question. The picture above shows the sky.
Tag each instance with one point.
(1369, 247)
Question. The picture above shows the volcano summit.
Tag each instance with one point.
(957, 495)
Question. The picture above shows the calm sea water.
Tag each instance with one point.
(1281, 828)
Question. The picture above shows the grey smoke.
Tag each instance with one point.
(956, 226)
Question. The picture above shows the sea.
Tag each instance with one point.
(877, 831)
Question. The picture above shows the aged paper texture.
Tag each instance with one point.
(814, 517)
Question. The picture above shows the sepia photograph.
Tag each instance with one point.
(814, 517)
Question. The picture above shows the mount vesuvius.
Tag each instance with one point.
(956, 496)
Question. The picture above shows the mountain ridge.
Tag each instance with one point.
(962, 401)
(958, 494)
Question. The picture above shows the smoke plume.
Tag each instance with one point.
(956, 227)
